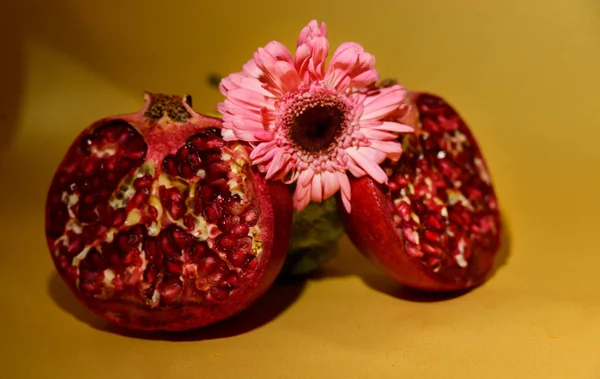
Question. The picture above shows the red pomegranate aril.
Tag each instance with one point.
(238, 258)
(134, 220)
(437, 227)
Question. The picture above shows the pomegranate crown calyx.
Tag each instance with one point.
(172, 106)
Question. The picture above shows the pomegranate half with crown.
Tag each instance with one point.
(435, 225)
(155, 223)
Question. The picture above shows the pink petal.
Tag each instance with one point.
(247, 98)
(342, 178)
(355, 170)
(243, 135)
(311, 30)
(278, 161)
(374, 134)
(242, 123)
(222, 108)
(268, 64)
(393, 149)
(251, 69)
(311, 52)
(382, 103)
(394, 127)
(375, 155)
(264, 135)
(263, 152)
(316, 193)
(305, 178)
(367, 164)
(342, 62)
(364, 79)
(279, 52)
(300, 202)
(239, 80)
(330, 184)
(288, 75)
(228, 135)
(232, 109)
(345, 189)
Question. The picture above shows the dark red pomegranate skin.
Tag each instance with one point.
(435, 226)
(155, 223)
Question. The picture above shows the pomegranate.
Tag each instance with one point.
(435, 226)
(156, 223)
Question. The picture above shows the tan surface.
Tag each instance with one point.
(525, 75)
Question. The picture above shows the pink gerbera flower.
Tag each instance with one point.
(309, 123)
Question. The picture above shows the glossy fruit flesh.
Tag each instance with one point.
(435, 225)
(155, 222)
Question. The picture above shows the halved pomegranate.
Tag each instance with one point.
(435, 226)
(155, 222)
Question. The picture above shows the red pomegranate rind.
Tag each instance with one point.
(436, 225)
(155, 222)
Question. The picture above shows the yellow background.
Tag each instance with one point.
(524, 73)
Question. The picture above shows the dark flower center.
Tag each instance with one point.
(317, 127)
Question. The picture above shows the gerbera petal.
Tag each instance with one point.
(385, 101)
(342, 62)
(279, 52)
(330, 184)
(374, 134)
(311, 52)
(313, 29)
(279, 160)
(247, 98)
(251, 69)
(354, 169)
(305, 178)
(342, 178)
(242, 123)
(229, 108)
(263, 152)
(300, 202)
(268, 64)
(367, 164)
(316, 193)
(394, 127)
(288, 75)
(239, 80)
(392, 149)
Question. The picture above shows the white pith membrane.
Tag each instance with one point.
(237, 159)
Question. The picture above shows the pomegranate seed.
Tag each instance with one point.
(181, 238)
(215, 143)
(169, 165)
(173, 267)
(250, 216)
(218, 294)
(428, 249)
(143, 182)
(232, 279)
(167, 246)
(213, 211)
(404, 210)
(119, 217)
(240, 230)
(433, 222)
(226, 242)
(207, 266)
(190, 222)
(169, 291)
(431, 236)
(177, 211)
